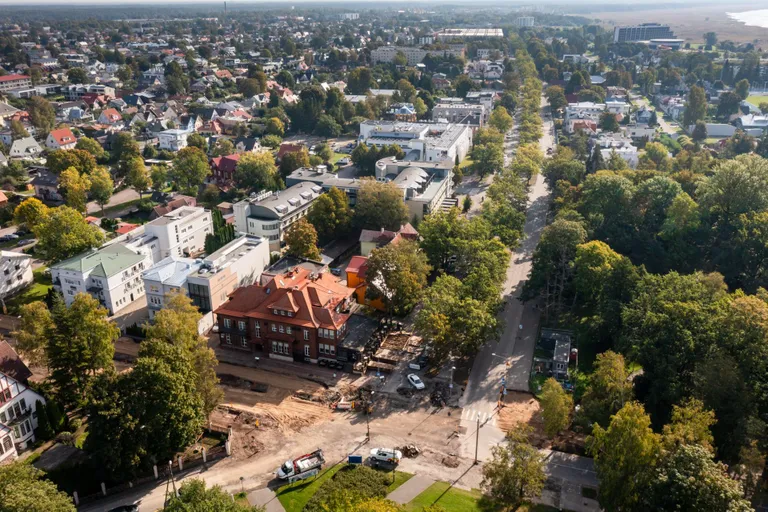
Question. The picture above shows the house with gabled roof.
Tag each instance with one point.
(62, 138)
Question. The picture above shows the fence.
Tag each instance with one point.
(159, 473)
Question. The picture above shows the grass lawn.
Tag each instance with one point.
(449, 498)
(400, 478)
(36, 291)
(338, 156)
(465, 163)
(757, 100)
(535, 507)
(294, 496)
(121, 207)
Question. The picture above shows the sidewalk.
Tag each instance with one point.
(410, 489)
(266, 498)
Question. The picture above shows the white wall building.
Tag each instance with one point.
(428, 142)
(167, 277)
(111, 274)
(18, 417)
(525, 21)
(15, 272)
(386, 54)
(173, 140)
(181, 232)
(270, 215)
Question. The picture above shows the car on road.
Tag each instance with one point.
(387, 455)
(24, 242)
(125, 508)
(9, 237)
(415, 381)
(344, 161)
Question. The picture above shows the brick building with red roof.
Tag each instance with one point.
(300, 315)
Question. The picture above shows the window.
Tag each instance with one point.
(278, 347)
(24, 428)
(244, 341)
(16, 432)
(288, 329)
(306, 350)
(282, 329)
(227, 323)
(274, 327)
(7, 443)
(241, 325)
(282, 312)
(23, 403)
(275, 312)
(227, 339)
(331, 334)
(3, 418)
(306, 334)
(257, 330)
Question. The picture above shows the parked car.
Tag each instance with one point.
(336, 271)
(125, 508)
(415, 381)
(387, 455)
(6, 238)
(344, 161)
(26, 241)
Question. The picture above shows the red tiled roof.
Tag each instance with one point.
(8, 78)
(63, 136)
(358, 265)
(288, 148)
(226, 163)
(125, 227)
(112, 114)
(312, 298)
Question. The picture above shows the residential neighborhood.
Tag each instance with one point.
(401, 258)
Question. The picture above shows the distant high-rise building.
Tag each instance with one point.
(524, 21)
(350, 16)
(642, 32)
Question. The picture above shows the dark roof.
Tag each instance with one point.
(11, 364)
(249, 143)
(46, 179)
(360, 328)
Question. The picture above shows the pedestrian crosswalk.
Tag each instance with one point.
(471, 415)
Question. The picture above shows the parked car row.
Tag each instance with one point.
(335, 365)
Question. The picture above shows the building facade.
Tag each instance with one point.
(16, 272)
(9, 82)
(642, 32)
(18, 417)
(296, 316)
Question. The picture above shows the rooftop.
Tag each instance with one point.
(105, 262)
(171, 271)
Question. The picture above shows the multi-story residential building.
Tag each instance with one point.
(485, 70)
(525, 21)
(460, 113)
(486, 98)
(427, 142)
(239, 263)
(299, 315)
(173, 140)
(76, 91)
(426, 186)
(181, 232)
(642, 32)
(8, 82)
(111, 274)
(18, 417)
(166, 277)
(582, 111)
(223, 168)
(413, 55)
(15, 272)
(270, 215)
(469, 33)
(349, 16)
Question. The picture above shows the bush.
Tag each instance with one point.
(44, 430)
(145, 205)
(75, 424)
(56, 416)
(67, 438)
(356, 483)
(136, 331)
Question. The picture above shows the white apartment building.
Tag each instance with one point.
(18, 417)
(270, 215)
(15, 272)
(460, 113)
(173, 140)
(413, 55)
(349, 16)
(525, 21)
(582, 111)
(111, 274)
(181, 232)
(426, 142)
(166, 277)
(76, 91)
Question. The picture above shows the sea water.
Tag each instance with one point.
(751, 18)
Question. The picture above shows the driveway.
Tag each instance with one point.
(124, 196)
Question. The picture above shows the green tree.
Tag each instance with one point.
(90, 145)
(56, 416)
(257, 171)
(695, 106)
(487, 158)
(688, 479)
(625, 455)
(176, 324)
(198, 141)
(41, 114)
(379, 205)
(294, 160)
(43, 430)
(327, 127)
(62, 159)
(397, 275)
(324, 151)
(138, 176)
(463, 84)
(501, 120)
(80, 345)
(742, 89)
(75, 187)
(608, 390)
(32, 332)
(125, 147)
(556, 97)
(77, 76)
(515, 472)
(17, 130)
(159, 176)
(24, 487)
(690, 425)
(102, 186)
(301, 240)
(710, 38)
(454, 321)
(556, 407)
(63, 233)
(194, 497)
(223, 147)
(330, 215)
(608, 122)
(700, 131)
(30, 213)
(250, 87)
(274, 126)
(190, 168)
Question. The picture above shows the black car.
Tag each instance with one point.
(125, 508)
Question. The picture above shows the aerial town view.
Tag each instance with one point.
(346, 256)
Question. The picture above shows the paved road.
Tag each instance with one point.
(510, 358)
(125, 195)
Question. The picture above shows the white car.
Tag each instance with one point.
(415, 381)
(386, 455)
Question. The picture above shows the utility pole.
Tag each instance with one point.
(477, 437)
